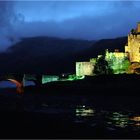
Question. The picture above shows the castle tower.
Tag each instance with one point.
(133, 46)
(138, 28)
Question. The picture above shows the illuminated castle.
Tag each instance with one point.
(133, 46)
(116, 62)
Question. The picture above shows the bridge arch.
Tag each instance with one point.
(19, 86)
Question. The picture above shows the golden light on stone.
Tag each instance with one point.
(84, 68)
(136, 118)
(118, 62)
(133, 47)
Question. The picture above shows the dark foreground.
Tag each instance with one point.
(37, 125)
(70, 117)
(101, 108)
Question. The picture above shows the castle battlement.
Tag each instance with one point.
(117, 62)
(133, 47)
(138, 27)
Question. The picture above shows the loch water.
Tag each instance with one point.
(78, 116)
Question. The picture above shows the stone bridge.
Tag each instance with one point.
(20, 79)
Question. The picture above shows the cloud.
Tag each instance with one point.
(8, 36)
(116, 21)
(66, 19)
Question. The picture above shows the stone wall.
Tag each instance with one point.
(133, 47)
(84, 68)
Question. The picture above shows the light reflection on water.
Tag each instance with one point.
(135, 122)
(123, 120)
(84, 111)
(117, 119)
(111, 120)
(90, 115)
(84, 114)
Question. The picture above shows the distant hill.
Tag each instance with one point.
(53, 55)
(100, 46)
(42, 54)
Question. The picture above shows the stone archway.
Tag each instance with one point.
(19, 86)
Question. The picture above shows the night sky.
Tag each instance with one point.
(90, 20)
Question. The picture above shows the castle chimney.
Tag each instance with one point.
(138, 28)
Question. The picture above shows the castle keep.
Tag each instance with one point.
(133, 46)
(116, 62)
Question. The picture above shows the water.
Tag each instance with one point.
(111, 116)
(122, 116)
(111, 120)
(8, 84)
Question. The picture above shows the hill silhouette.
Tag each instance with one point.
(53, 55)
(100, 46)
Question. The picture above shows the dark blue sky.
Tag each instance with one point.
(90, 20)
